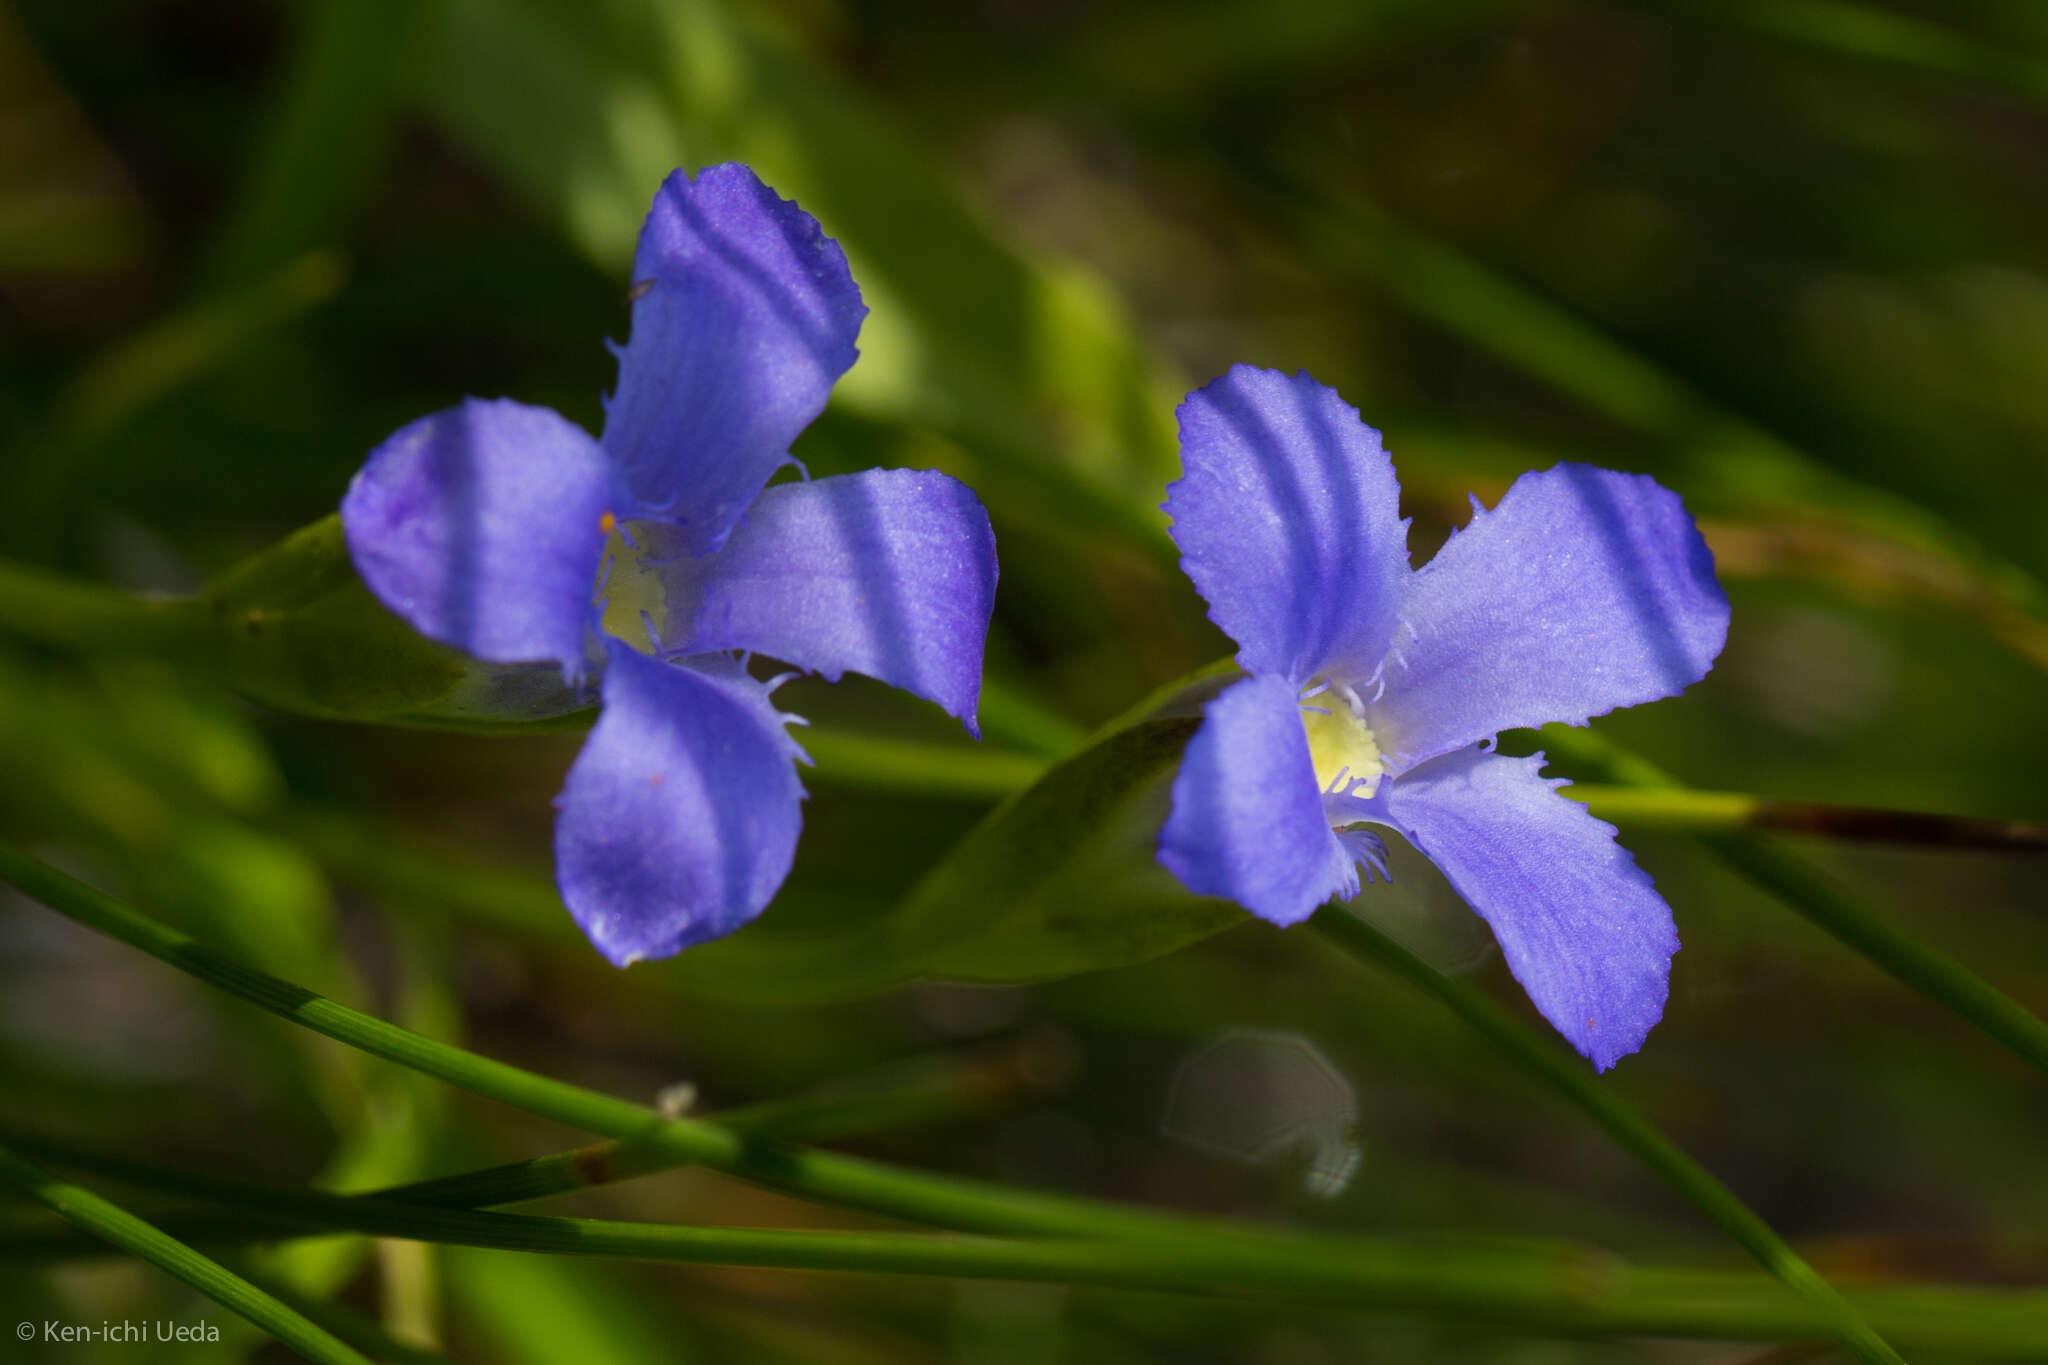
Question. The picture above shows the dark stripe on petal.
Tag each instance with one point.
(748, 319)
(891, 573)
(1585, 590)
(1288, 520)
(1247, 822)
(680, 817)
(1581, 926)
(479, 525)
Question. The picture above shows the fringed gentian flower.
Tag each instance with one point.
(1375, 691)
(485, 527)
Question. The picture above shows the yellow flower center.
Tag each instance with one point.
(630, 588)
(1339, 744)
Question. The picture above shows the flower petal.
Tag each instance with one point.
(680, 817)
(1247, 822)
(480, 526)
(891, 573)
(745, 318)
(1585, 590)
(1582, 927)
(1288, 520)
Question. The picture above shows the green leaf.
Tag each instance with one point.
(1057, 880)
(294, 627)
(1063, 879)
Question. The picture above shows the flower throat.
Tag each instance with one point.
(1339, 743)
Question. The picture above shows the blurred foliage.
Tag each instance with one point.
(1790, 258)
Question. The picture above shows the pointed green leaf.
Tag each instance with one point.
(1063, 879)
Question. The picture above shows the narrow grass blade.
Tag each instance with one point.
(1685, 810)
(324, 144)
(116, 1226)
(1555, 1288)
(826, 1177)
(1867, 33)
(1569, 1077)
(1934, 974)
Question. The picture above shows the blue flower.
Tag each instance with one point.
(485, 526)
(1374, 691)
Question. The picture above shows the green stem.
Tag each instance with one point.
(178, 348)
(356, 1328)
(923, 1091)
(69, 614)
(1568, 1077)
(823, 1176)
(520, 1182)
(87, 617)
(122, 1229)
(1684, 810)
(1940, 977)
(394, 863)
(875, 762)
(1552, 1288)
(1936, 975)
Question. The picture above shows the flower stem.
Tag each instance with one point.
(922, 1090)
(117, 1226)
(928, 1089)
(1553, 1288)
(827, 1177)
(877, 763)
(88, 617)
(1940, 977)
(70, 614)
(830, 1178)
(1684, 810)
(1567, 1076)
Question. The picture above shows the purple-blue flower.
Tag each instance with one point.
(486, 526)
(1374, 692)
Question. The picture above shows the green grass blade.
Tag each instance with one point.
(1866, 33)
(352, 1325)
(117, 1226)
(316, 159)
(1934, 974)
(1568, 1076)
(921, 1090)
(1730, 462)
(965, 770)
(826, 1177)
(1549, 1287)
(822, 1176)
(176, 350)
(1685, 810)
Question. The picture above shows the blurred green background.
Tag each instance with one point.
(1789, 256)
